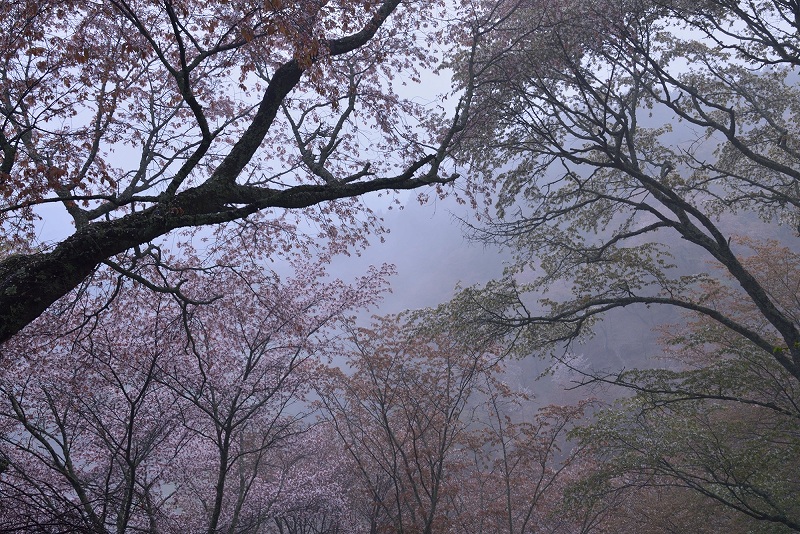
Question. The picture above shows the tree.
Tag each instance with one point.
(190, 419)
(140, 118)
(521, 465)
(401, 415)
(724, 428)
(632, 143)
(317, 496)
(614, 129)
(439, 443)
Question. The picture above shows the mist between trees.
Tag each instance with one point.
(183, 361)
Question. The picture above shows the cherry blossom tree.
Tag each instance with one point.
(139, 118)
(318, 496)
(440, 443)
(186, 419)
(400, 414)
(524, 463)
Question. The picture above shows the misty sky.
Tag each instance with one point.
(427, 244)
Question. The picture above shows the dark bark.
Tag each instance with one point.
(31, 283)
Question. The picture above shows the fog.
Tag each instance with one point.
(432, 255)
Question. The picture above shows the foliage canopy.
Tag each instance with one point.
(143, 117)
